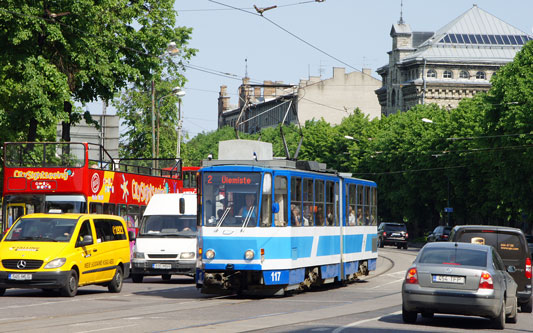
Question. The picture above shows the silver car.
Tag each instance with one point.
(459, 278)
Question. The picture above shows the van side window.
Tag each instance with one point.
(85, 230)
(108, 230)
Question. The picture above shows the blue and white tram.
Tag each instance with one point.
(282, 225)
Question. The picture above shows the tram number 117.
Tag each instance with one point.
(275, 276)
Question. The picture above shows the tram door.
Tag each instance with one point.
(13, 212)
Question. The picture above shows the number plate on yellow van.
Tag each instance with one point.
(162, 266)
(18, 276)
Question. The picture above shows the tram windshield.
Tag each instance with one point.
(231, 199)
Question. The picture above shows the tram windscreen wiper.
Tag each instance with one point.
(223, 217)
(248, 217)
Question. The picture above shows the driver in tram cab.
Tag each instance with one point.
(249, 206)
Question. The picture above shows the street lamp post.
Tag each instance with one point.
(172, 50)
(180, 94)
(176, 91)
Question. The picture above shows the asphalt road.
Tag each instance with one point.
(370, 305)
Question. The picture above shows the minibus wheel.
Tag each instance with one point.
(71, 288)
(115, 286)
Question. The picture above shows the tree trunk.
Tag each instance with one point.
(65, 132)
(32, 130)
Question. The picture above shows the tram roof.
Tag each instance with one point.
(275, 163)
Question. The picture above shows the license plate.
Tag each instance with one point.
(18, 276)
(162, 266)
(449, 279)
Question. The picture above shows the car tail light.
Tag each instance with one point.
(528, 268)
(445, 236)
(485, 282)
(406, 235)
(384, 234)
(412, 276)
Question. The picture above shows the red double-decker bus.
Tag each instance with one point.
(77, 177)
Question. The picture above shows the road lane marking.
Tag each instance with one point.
(108, 328)
(339, 329)
(381, 285)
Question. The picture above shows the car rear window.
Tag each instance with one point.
(395, 227)
(453, 256)
(508, 245)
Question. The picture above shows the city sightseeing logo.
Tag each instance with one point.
(95, 182)
(143, 192)
(44, 175)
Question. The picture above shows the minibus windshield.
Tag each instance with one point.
(42, 229)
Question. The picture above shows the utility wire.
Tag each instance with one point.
(290, 33)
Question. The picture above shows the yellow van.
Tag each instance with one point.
(64, 252)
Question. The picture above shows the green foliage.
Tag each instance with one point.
(56, 54)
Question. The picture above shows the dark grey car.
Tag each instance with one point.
(512, 247)
(459, 278)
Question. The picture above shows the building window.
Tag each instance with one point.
(481, 75)
(432, 73)
(447, 74)
(464, 75)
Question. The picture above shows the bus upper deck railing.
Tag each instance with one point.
(73, 155)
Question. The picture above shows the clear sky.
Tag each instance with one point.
(301, 38)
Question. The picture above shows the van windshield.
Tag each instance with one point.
(168, 225)
(42, 230)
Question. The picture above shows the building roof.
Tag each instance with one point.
(475, 36)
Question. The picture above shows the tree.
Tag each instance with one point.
(57, 53)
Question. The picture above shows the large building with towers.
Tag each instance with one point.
(445, 66)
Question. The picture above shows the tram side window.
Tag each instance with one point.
(359, 217)
(331, 216)
(366, 210)
(266, 205)
(308, 202)
(351, 206)
(374, 205)
(319, 202)
(280, 196)
(296, 201)
(96, 208)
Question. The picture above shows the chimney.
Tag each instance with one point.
(268, 90)
(223, 104)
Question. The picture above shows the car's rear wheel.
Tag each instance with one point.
(166, 277)
(527, 307)
(405, 246)
(2, 291)
(115, 286)
(513, 318)
(380, 242)
(408, 317)
(137, 278)
(71, 288)
(499, 321)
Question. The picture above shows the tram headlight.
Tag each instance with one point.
(210, 254)
(249, 254)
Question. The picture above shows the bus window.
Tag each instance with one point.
(121, 210)
(65, 203)
(96, 208)
(280, 196)
(14, 211)
(109, 208)
(266, 204)
(319, 202)
(133, 214)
